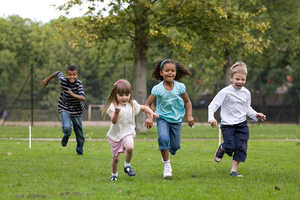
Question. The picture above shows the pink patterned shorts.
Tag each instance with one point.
(119, 147)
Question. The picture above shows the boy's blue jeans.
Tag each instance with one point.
(236, 140)
(66, 119)
(169, 135)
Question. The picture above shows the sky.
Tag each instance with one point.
(36, 10)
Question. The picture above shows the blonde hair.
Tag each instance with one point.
(122, 86)
(238, 67)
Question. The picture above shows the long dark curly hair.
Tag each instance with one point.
(181, 71)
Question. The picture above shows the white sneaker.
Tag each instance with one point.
(167, 170)
(162, 160)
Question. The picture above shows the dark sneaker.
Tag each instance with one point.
(128, 170)
(219, 153)
(114, 178)
(80, 154)
(64, 141)
(235, 174)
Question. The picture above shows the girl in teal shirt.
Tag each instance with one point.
(171, 96)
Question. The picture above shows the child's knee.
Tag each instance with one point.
(116, 159)
(229, 150)
(243, 148)
(174, 148)
(67, 129)
(129, 147)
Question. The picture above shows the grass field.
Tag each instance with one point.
(49, 171)
(199, 132)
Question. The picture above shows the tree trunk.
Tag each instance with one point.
(140, 68)
(228, 64)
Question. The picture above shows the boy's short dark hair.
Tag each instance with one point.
(72, 68)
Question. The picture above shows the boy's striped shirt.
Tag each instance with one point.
(66, 102)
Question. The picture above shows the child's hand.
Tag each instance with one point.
(213, 123)
(149, 123)
(44, 83)
(261, 116)
(155, 115)
(190, 121)
(70, 92)
(117, 109)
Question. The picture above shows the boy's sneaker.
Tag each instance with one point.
(235, 174)
(64, 141)
(114, 178)
(167, 170)
(219, 153)
(128, 170)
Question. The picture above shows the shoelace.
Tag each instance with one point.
(167, 169)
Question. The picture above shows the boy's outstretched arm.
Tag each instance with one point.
(46, 80)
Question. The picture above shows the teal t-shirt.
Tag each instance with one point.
(170, 105)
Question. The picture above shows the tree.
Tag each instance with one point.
(281, 58)
(220, 23)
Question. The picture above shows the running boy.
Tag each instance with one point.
(235, 103)
(70, 105)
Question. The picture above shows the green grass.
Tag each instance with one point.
(49, 171)
(199, 132)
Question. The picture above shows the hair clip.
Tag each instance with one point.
(119, 81)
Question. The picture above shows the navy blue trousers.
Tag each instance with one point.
(236, 140)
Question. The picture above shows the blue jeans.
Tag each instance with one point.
(236, 140)
(66, 119)
(169, 135)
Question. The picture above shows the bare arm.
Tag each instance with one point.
(189, 108)
(148, 111)
(115, 115)
(46, 80)
(80, 97)
(149, 120)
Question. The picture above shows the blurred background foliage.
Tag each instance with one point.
(265, 34)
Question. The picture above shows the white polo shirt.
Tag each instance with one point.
(235, 106)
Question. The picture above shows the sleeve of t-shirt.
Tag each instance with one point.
(182, 88)
(60, 76)
(80, 89)
(154, 91)
(137, 107)
(110, 108)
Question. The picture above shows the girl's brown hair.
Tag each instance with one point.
(181, 71)
(122, 86)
